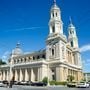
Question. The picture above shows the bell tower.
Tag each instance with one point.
(72, 38)
(55, 23)
(56, 41)
(73, 41)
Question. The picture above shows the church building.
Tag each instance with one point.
(60, 58)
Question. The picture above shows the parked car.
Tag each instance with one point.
(23, 83)
(28, 82)
(82, 85)
(88, 83)
(5, 82)
(71, 85)
(1, 84)
(38, 84)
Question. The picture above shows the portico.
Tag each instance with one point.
(25, 72)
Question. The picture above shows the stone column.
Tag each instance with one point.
(7, 75)
(80, 77)
(68, 57)
(16, 75)
(26, 75)
(38, 74)
(21, 76)
(32, 75)
(42, 72)
(66, 73)
(11, 74)
(3, 75)
(0, 75)
(57, 73)
(61, 74)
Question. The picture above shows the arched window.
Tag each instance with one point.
(43, 56)
(38, 57)
(70, 32)
(15, 61)
(71, 43)
(33, 58)
(18, 61)
(56, 14)
(53, 29)
(52, 52)
(53, 14)
(25, 59)
(63, 52)
(21, 60)
(53, 75)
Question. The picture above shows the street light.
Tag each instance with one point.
(10, 71)
(48, 84)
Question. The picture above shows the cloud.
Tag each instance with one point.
(27, 53)
(30, 28)
(87, 61)
(5, 56)
(85, 48)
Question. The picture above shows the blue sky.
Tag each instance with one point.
(26, 21)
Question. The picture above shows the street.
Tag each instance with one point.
(41, 88)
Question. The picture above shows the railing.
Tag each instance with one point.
(31, 62)
(56, 35)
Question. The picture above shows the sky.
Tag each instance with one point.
(26, 21)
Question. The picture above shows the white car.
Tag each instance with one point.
(2, 85)
(82, 85)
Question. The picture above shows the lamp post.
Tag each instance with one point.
(86, 77)
(48, 84)
(10, 72)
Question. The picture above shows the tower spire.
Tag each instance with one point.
(70, 22)
(54, 1)
(18, 45)
(70, 19)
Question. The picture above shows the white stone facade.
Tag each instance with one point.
(60, 58)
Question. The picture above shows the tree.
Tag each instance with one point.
(45, 80)
(70, 78)
(2, 62)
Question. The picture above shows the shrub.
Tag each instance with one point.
(58, 83)
(70, 78)
(45, 80)
(52, 82)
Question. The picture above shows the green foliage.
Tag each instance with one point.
(45, 80)
(52, 82)
(57, 83)
(70, 78)
(88, 80)
(2, 62)
(83, 80)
